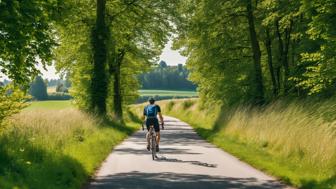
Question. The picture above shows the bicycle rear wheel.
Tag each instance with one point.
(153, 147)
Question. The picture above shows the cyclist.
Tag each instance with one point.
(150, 113)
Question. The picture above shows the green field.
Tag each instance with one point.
(150, 92)
(50, 105)
(167, 93)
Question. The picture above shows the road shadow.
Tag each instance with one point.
(144, 151)
(174, 160)
(171, 137)
(140, 180)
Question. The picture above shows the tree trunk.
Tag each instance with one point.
(283, 50)
(285, 58)
(280, 49)
(99, 78)
(268, 45)
(259, 87)
(117, 99)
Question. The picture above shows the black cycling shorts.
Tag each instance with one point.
(154, 122)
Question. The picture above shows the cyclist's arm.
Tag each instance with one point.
(144, 115)
(160, 117)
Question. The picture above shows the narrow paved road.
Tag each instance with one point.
(185, 161)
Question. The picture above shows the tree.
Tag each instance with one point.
(220, 40)
(99, 41)
(162, 64)
(259, 86)
(38, 89)
(103, 66)
(170, 78)
(319, 63)
(26, 37)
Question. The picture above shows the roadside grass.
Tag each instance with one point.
(56, 148)
(294, 141)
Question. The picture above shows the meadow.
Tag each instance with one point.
(53, 145)
(167, 93)
(49, 105)
(151, 92)
(294, 141)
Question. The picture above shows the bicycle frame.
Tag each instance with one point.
(152, 141)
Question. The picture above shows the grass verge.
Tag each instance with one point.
(294, 141)
(54, 149)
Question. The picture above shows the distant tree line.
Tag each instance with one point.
(167, 77)
(38, 89)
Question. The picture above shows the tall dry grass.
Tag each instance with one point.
(293, 131)
(55, 148)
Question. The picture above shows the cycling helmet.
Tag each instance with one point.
(151, 100)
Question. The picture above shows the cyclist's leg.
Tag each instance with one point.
(157, 131)
(148, 133)
(158, 136)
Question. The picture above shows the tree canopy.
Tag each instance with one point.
(26, 37)
(247, 51)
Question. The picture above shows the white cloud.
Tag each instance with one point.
(172, 57)
(50, 73)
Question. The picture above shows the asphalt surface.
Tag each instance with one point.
(184, 161)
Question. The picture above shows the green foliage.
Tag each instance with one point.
(219, 57)
(59, 96)
(170, 105)
(26, 37)
(12, 100)
(38, 89)
(187, 104)
(136, 33)
(296, 41)
(61, 88)
(320, 69)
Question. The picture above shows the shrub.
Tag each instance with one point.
(59, 96)
(187, 104)
(61, 88)
(38, 89)
(170, 105)
(12, 100)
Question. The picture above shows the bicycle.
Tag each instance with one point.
(152, 140)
